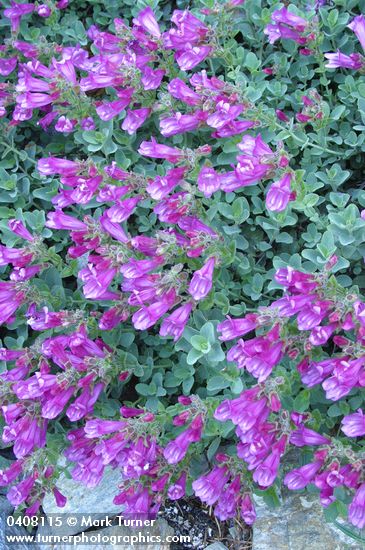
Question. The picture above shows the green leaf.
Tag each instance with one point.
(217, 383)
(302, 400)
(200, 343)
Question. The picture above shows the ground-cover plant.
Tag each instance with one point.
(162, 184)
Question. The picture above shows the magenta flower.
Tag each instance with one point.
(20, 492)
(55, 405)
(247, 509)
(59, 220)
(279, 194)
(191, 56)
(113, 228)
(107, 111)
(228, 500)
(52, 165)
(156, 150)
(179, 123)
(99, 427)
(202, 280)
(148, 316)
(210, 486)
(233, 328)
(43, 10)
(304, 436)
(161, 186)
(151, 79)
(122, 209)
(266, 473)
(286, 25)
(177, 490)
(288, 18)
(16, 12)
(176, 449)
(147, 20)
(179, 90)
(174, 324)
(7, 65)
(11, 297)
(208, 181)
(301, 477)
(357, 25)
(134, 119)
(340, 60)
(19, 229)
(34, 100)
(60, 499)
(357, 508)
(353, 61)
(65, 125)
(353, 425)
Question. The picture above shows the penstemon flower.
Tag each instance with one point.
(353, 61)
(163, 158)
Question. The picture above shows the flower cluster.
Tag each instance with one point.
(313, 311)
(139, 236)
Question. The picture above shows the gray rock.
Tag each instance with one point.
(103, 540)
(297, 525)
(5, 510)
(216, 546)
(81, 500)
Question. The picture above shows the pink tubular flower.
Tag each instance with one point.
(266, 473)
(151, 79)
(248, 513)
(228, 500)
(176, 449)
(122, 209)
(16, 12)
(20, 492)
(353, 61)
(288, 18)
(179, 90)
(286, 25)
(161, 186)
(159, 151)
(19, 229)
(134, 119)
(190, 57)
(357, 508)
(340, 60)
(147, 20)
(60, 499)
(177, 490)
(52, 165)
(233, 328)
(279, 194)
(301, 477)
(208, 181)
(7, 65)
(148, 316)
(10, 300)
(107, 111)
(43, 10)
(353, 425)
(175, 323)
(210, 486)
(202, 280)
(59, 220)
(179, 123)
(357, 25)
(305, 436)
